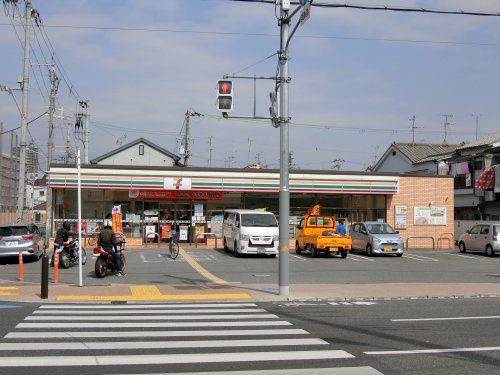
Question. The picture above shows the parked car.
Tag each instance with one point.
(481, 237)
(21, 237)
(376, 238)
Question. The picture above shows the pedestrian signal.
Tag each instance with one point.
(225, 95)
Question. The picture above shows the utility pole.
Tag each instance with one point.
(446, 125)
(24, 113)
(249, 148)
(50, 148)
(476, 116)
(210, 151)
(13, 176)
(283, 120)
(84, 104)
(337, 163)
(187, 153)
(413, 128)
(1, 168)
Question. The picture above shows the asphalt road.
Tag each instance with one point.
(378, 337)
(154, 266)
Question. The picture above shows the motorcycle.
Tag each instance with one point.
(104, 261)
(65, 254)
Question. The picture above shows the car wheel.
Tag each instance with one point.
(298, 250)
(461, 247)
(489, 251)
(399, 255)
(369, 250)
(272, 255)
(343, 253)
(314, 252)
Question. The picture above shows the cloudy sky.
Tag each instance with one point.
(357, 76)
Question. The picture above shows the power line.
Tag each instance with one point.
(208, 32)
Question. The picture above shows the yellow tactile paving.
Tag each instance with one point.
(202, 271)
(8, 291)
(152, 293)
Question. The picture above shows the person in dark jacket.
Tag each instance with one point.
(107, 241)
(63, 235)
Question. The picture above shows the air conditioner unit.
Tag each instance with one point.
(489, 196)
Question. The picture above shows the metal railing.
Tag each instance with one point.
(450, 239)
(421, 237)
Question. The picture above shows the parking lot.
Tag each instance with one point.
(198, 266)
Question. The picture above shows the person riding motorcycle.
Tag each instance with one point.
(107, 241)
(63, 235)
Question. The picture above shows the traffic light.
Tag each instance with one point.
(225, 95)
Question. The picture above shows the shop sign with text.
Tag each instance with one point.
(177, 183)
(175, 194)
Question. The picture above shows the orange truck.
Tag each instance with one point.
(316, 233)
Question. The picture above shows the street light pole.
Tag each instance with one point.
(284, 194)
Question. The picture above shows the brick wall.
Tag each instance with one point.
(420, 192)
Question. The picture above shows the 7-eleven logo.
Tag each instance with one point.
(177, 183)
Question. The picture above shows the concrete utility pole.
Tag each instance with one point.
(1, 168)
(476, 116)
(186, 139)
(50, 148)
(284, 194)
(413, 128)
(24, 113)
(446, 126)
(210, 151)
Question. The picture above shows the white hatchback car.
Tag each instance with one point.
(481, 237)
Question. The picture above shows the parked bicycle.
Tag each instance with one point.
(173, 246)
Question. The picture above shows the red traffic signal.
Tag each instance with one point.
(225, 95)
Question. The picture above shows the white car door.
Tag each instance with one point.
(473, 238)
(355, 236)
(483, 237)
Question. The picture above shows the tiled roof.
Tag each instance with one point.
(418, 151)
(486, 141)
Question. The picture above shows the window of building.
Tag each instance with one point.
(478, 165)
(42, 193)
(141, 149)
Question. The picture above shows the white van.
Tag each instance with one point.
(250, 232)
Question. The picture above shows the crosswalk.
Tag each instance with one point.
(233, 337)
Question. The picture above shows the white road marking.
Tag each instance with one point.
(364, 303)
(166, 311)
(149, 317)
(478, 257)
(297, 258)
(363, 370)
(451, 318)
(88, 334)
(420, 258)
(104, 345)
(143, 257)
(152, 359)
(359, 258)
(345, 303)
(150, 306)
(433, 351)
(333, 303)
(152, 325)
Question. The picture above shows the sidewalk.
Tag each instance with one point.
(120, 293)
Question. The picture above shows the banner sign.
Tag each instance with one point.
(116, 218)
(176, 194)
(429, 215)
(401, 217)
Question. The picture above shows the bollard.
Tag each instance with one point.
(20, 273)
(56, 267)
(44, 293)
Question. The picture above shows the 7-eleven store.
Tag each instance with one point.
(192, 200)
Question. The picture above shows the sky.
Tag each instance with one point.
(357, 77)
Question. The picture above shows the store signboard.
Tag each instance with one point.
(177, 183)
(183, 232)
(429, 215)
(175, 195)
(150, 231)
(401, 217)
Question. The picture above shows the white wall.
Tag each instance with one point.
(399, 163)
(131, 156)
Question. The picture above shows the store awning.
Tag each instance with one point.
(486, 180)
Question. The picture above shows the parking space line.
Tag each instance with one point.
(359, 258)
(471, 257)
(202, 271)
(420, 258)
(297, 258)
(143, 257)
